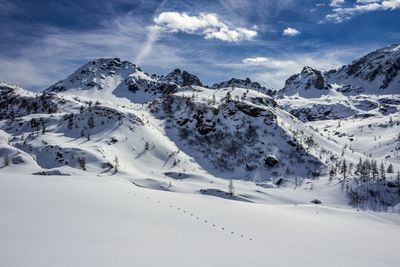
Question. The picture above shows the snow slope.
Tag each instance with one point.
(103, 221)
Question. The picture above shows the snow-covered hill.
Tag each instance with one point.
(106, 221)
(111, 141)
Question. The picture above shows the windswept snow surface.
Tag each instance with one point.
(109, 221)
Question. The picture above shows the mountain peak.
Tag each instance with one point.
(379, 69)
(244, 83)
(308, 78)
(182, 78)
(93, 74)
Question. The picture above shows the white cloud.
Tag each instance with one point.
(206, 24)
(290, 32)
(255, 60)
(175, 21)
(236, 35)
(271, 63)
(336, 3)
(341, 14)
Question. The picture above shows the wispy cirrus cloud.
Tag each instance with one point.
(341, 13)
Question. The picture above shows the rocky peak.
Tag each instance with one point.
(182, 78)
(315, 78)
(244, 83)
(93, 74)
(308, 78)
(379, 69)
(106, 66)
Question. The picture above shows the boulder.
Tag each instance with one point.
(271, 161)
(316, 201)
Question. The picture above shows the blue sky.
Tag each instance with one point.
(44, 41)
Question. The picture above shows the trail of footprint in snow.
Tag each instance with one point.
(198, 218)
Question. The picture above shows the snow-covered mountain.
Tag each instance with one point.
(357, 106)
(111, 116)
(376, 73)
(309, 83)
(241, 133)
(102, 156)
(369, 86)
(110, 109)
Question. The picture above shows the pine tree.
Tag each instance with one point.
(213, 101)
(344, 169)
(90, 122)
(231, 188)
(398, 182)
(358, 170)
(390, 168)
(374, 169)
(382, 171)
(116, 164)
(82, 163)
(70, 120)
(228, 96)
(332, 173)
(366, 168)
(6, 160)
(43, 125)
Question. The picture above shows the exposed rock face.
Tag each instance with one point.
(246, 83)
(271, 161)
(377, 72)
(308, 79)
(182, 78)
(92, 74)
(16, 102)
(380, 68)
(337, 94)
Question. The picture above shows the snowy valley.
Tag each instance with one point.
(114, 166)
